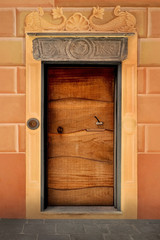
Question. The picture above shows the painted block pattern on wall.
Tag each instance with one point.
(21, 80)
(149, 49)
(12, 118)
(148, 142)
(8, 80)
(22, 137)
(8, 138)
(27, 3)
(153, 80)
(149, 186)
(141, 138)
(141, 74)
(107, 3)
(12, 185)
(153, 22)
(7, 22)
(12, 51)
(12, 97)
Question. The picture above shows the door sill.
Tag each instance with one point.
(81, 210)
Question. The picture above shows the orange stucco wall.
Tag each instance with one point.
(12, 100)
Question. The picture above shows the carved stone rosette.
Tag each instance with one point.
(78, 49)
(123, 21)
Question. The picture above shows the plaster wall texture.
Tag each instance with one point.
(12, 99)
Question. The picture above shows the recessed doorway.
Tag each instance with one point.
(80, 135)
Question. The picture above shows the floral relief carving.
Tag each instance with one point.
(123, 21)
(79, 48)
(77, 22)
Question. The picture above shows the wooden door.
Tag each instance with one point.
(80, 149)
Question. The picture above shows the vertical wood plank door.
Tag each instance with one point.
(80, 136)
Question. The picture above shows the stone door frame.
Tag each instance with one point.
(120, 49)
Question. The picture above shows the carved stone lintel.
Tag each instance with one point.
(123, 21)
(80, 49)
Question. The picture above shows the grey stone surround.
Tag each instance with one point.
(80, 48)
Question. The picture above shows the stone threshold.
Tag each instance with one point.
(81, 210)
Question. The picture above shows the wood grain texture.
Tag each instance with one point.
(92, 145)
(84, 197)
(85, 83)
(80, 159)
(74, 173)
(77, 115)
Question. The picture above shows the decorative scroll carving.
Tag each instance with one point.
(123, 21)
(80, 49)
(35, 21)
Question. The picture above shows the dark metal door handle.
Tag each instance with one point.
(98, 122)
